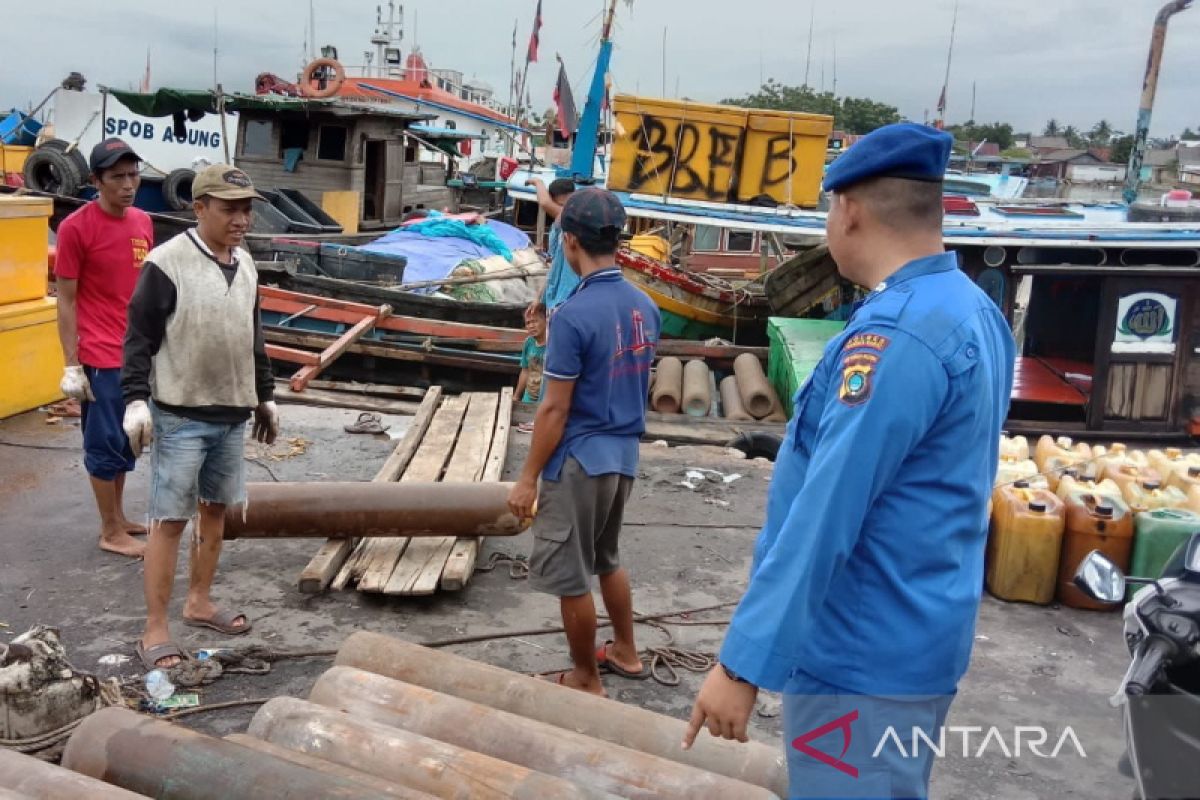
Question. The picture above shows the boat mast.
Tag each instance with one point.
(583, 155)
(1158, 40)
(949, 57)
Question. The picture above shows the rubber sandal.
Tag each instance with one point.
(150, 656)
(606, 665)
(222, 622)
(367, 423)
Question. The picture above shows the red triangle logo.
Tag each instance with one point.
(842, 723)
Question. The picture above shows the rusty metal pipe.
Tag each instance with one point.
(590, 762)
(158, 759)
(403, 757)
(622, 724)
(26, 776)
(322, 764)
(333, 510)
(1158, 41)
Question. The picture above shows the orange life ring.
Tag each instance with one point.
(310, 76)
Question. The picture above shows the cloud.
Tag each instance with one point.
(1075, 60)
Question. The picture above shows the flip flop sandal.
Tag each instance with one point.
(150, 656)
(222, 622)
(367, 423)
(607, 665)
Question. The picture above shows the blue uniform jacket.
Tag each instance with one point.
(868, 572)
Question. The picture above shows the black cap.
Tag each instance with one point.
(109, 152)
(592, 212)
(560, 187)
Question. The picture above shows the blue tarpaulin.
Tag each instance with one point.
(432, 258)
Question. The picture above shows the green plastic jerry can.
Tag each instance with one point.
(1159, 534)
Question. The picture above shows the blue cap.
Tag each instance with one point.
(592, 212)
(903, 150)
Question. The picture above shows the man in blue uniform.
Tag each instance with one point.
(866, 577)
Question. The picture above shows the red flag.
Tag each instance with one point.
(535, 38)
(564, 102)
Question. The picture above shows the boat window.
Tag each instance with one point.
(332, 143)
(258, 137)
(739, 241)
(293, 136)
(707, 238)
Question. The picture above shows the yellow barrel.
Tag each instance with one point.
(1025, 544)
(24, 244)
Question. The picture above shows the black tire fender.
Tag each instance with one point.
(52, 171)
(757, 444)
(81, 164)
(177, 189)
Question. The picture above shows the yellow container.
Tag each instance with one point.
(24, 245)
(716, 153)
(784, 157)
(12, 157)
(343, 207)
(31, 355)
(1150, 495)
(1025, 543)
(1014, 448)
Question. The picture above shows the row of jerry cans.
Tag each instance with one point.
(1044, 523)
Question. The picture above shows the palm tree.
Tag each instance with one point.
(1051, 128)
(1072, 136)
(1101, 133)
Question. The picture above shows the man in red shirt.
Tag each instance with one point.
(99, 255)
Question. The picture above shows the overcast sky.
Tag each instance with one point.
(1075, 60)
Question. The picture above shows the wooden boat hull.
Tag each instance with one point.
(692, 306)
(799, 285)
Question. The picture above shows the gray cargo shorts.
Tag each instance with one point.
(576, 530)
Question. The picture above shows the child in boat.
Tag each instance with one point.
(529, 385)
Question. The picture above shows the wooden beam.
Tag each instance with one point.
(334, 351)
(426, 465)
(419, 569)
(291, 355)
(324, 399)
(282, 301)
(370, 389)
(325, 565)
(460, 566)
(399, 352)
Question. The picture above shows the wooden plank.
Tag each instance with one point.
(460, 565)
(370, 389)
(328, 561)
(426, 465)
(420, 568)
(417, 353)
(291, 355)
(325, 399)
(330, 354)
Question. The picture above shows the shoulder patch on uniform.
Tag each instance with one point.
(868, 341)
(858, 373)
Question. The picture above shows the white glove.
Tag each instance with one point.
(75, 384)
(266, 422)
(139, 426)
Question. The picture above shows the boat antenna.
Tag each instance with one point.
(949, 58)
(216, 38)
(812, 19)
(1158, 40)
(664, 62)
(312, 31)
(972, 102)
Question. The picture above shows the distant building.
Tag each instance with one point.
(1160, 166)
(1021, 141)
(1189, 163)
(1077, 166)
(1045, 145)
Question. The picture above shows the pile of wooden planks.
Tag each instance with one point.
(460, 439)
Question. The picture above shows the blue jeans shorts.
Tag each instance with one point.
(193, 462)
(106, 451)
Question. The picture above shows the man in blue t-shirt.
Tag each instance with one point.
(585, 441)
(561, 280)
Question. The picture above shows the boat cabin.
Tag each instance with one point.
(373, 153)
(1108, 337)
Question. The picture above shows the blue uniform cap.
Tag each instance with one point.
(903, 150)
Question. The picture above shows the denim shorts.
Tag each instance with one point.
(106, 451)
(194, 461)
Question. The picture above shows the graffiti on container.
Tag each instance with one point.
(702, 160)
